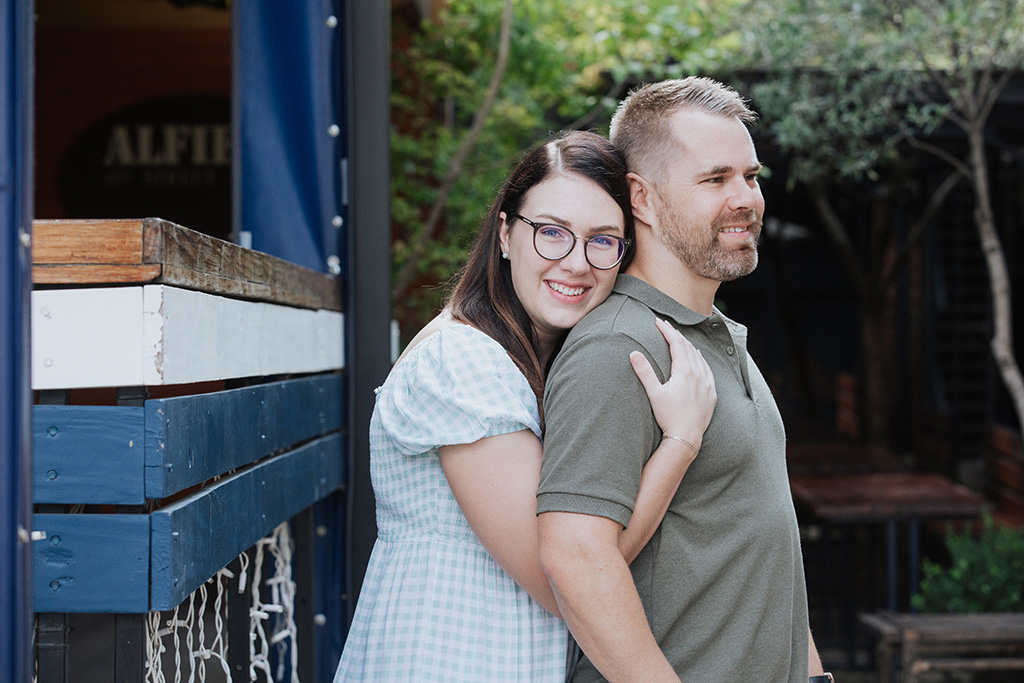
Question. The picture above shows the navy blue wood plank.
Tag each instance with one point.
(192, 438)
(194, 538)
(89, 454)
(92, 563)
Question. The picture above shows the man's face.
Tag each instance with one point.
(711, 208)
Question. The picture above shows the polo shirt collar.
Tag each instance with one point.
(659, 302)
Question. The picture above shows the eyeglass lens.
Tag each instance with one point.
(554, 242)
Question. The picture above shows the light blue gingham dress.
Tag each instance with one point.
(434, 605)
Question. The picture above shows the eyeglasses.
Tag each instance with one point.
(555, 242)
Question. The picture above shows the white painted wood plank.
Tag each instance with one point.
(86, 338)
(152, 335)
(194, 337)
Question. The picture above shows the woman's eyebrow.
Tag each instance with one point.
(568, 224)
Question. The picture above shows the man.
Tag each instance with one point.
(718, 594)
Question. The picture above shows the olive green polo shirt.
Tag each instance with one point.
(722, 578)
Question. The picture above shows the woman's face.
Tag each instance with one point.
(557, 294)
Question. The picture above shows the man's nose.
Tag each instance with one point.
(743, 194)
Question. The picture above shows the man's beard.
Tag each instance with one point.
(701, 252)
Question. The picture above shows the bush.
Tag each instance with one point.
(985, 574)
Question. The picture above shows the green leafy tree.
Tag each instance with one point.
(852, 90)
(475, 89)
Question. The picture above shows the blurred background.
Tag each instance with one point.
(886, 312)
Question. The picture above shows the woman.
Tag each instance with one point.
(453, 591)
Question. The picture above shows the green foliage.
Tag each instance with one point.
(985, 574)
(847, 81)
(569, 63)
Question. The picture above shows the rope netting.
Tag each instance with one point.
(177, 640)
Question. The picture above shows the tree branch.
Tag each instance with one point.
(935, 202)
(426, 234)
(836, 232)
(959, 165)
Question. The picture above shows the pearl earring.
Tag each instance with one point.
(504, 255)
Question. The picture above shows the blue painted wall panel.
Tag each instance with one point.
(192, 438)
(89, 454)
(288, 135)
(92, 563)
(17, 19)
(194, 538)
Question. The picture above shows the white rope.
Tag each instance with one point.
(283, 590)
(276, 617)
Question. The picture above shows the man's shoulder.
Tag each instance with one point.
(618, 315)
(621, 324)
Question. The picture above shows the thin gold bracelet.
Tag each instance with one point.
(676, 438)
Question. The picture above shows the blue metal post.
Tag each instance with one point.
(16, 87)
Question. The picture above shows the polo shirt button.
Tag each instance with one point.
(729, 350)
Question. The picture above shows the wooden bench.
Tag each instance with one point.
(915, 644)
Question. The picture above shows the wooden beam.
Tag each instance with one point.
(106, 274)
(89, 454)
(157, 335)
(92, 563)
(194, 538)
(87, 338)
(152, 250)
(192, 438)
(83, 242)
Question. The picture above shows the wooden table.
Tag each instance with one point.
(839, 457)
(946, 642)
(888, 498)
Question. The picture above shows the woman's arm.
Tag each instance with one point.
(691, 386)
(495, 483)
(495, 479)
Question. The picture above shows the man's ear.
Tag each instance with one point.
(503, 232)
(641, 197)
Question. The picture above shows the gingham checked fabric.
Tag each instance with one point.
(434, 605)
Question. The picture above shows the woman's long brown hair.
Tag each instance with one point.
(484, 296)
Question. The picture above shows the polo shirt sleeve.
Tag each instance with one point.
(600, 429)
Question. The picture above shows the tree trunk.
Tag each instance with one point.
(877, 319)
(999, 278)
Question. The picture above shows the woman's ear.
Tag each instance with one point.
(641, 198)
(503, 232)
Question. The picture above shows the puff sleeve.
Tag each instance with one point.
(455, 387)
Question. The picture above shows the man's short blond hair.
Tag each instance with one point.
(640, 126)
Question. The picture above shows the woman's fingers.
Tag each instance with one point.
(644, 371)
(682, 351)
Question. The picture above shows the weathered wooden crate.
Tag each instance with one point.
(169, 489)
